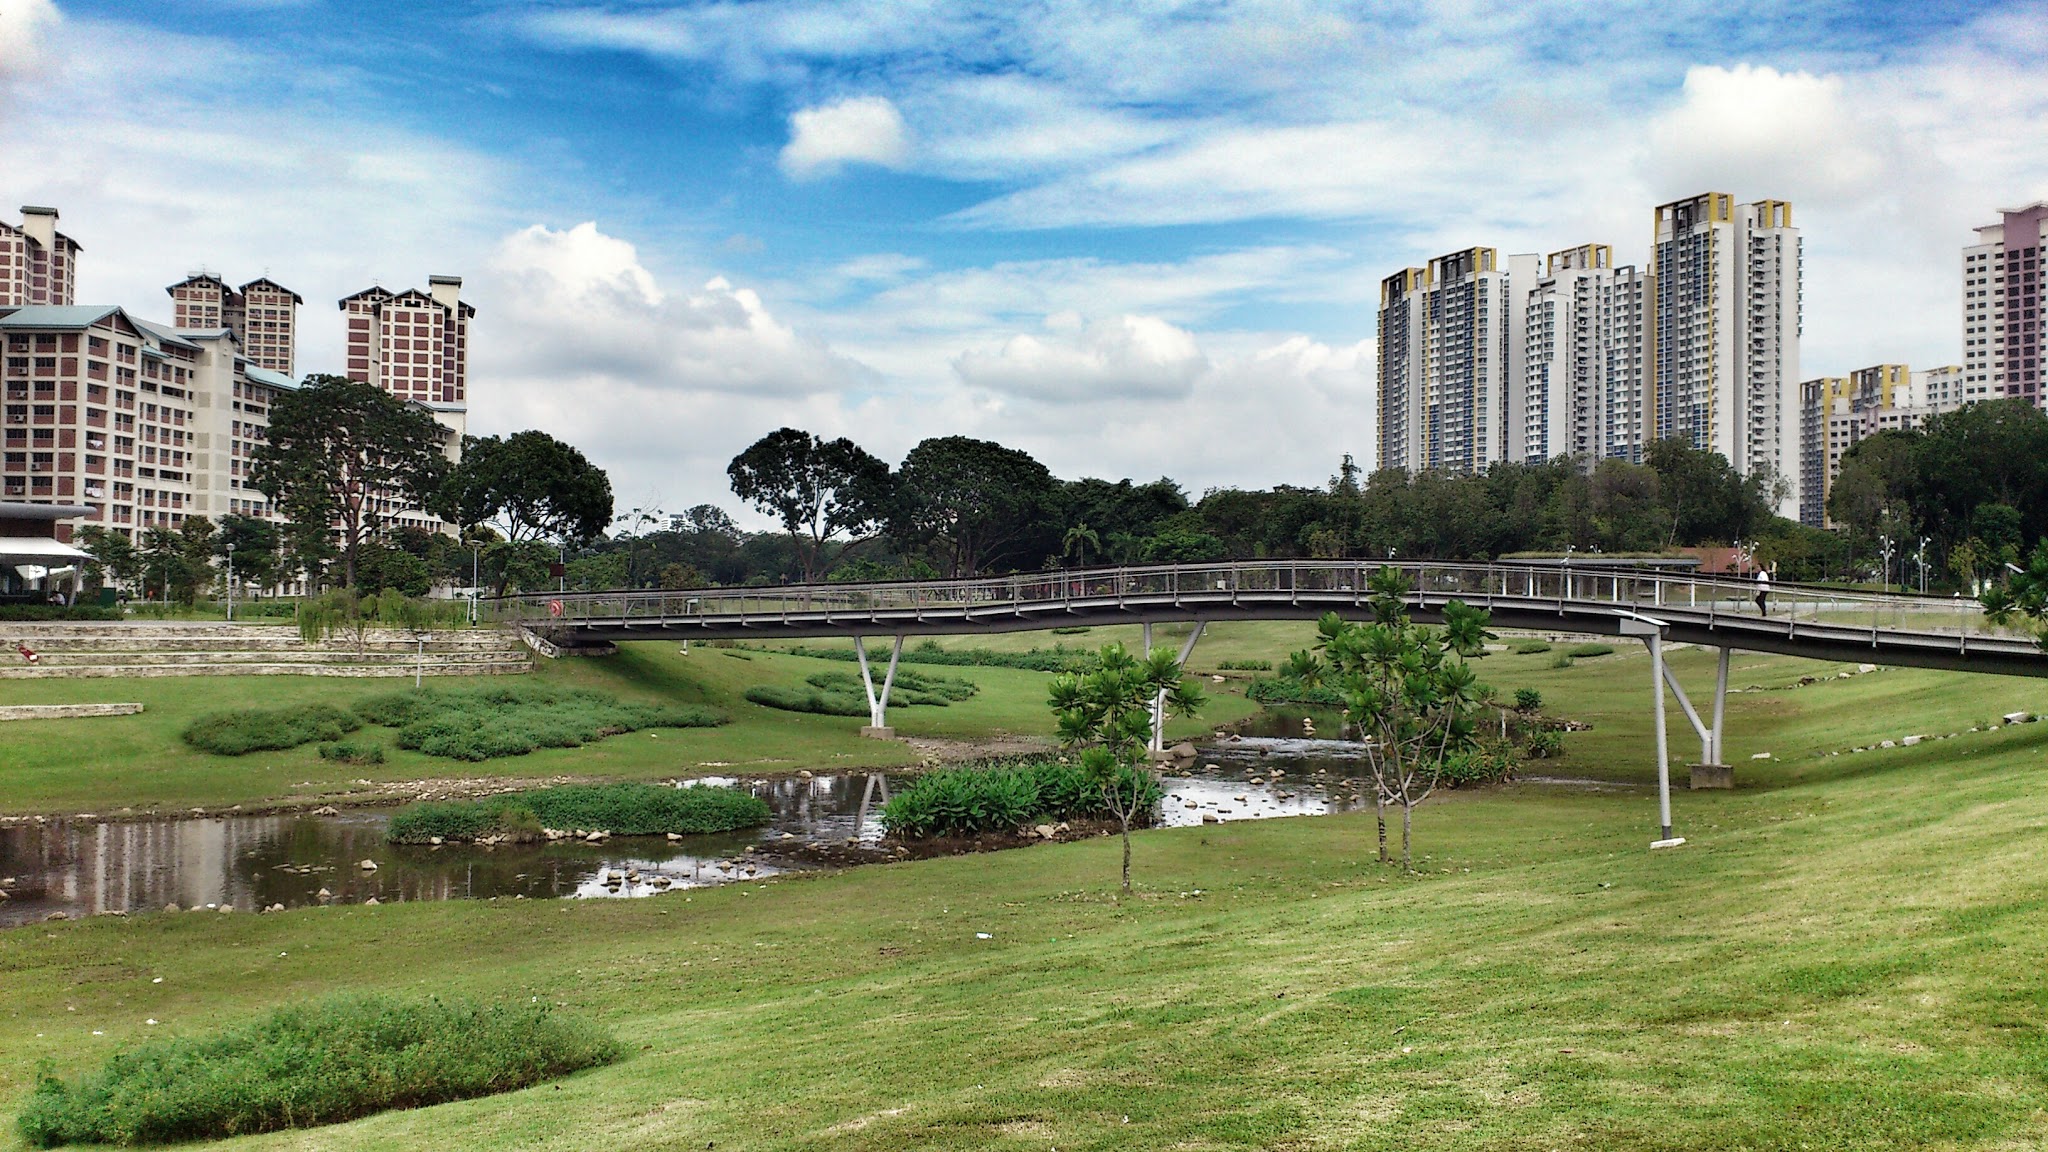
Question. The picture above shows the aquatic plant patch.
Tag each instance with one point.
(311, 1064)
(621, 809)
(512, 720)
(246, 730)
(971, 800)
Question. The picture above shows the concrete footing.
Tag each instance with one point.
(874, 733)
(1705, 776)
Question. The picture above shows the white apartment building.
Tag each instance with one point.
(1583, 384)
(38, 264)
(1722, 331)
(2004, 321)
(1451, 362)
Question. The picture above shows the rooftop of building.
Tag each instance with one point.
(73, 317)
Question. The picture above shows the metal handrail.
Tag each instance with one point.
(1709, 598)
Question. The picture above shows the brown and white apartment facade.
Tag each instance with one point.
(38, 264)
(263, 313)
(143, 424)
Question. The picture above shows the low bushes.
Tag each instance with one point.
(1487, 763)
(266, 729)
(1245, 666)
(487, 723)
(1286, 690)
(1590, 650)
(841, 693)
(1058, 658)
(353, 752)
(311, 1064)
(975, 799)
(621, 809)
(1528, 647)
(39, 612)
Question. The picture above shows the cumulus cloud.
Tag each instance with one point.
(857, 130)
(1756, 127)
(577, 303)
(1128, 356)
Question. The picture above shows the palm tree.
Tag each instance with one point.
(1077, 541)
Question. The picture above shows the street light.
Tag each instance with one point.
(231, 581)
(475, 547)
(1923, 565)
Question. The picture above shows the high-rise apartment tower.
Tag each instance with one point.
(2004, 319)
(263, 313)
(38, 264)
(414, 345)
(1583, 387)
(1722, 329)
(1451, 362)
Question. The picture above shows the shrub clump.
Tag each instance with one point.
(1288, 690)
(486, 723)
(247, 730)
(310, 1064)
(1058, 658)
(1245, 666)
(353, 752)
(1528, 647)
(841, 693)
(1590, 650)
(621, 809)
(975, 799)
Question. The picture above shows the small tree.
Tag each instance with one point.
(113, 554)
(1409, 692)
(2023, 597)
(1108, 715)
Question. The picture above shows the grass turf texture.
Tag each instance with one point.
(138, 763)
(1004, 797)
(621, 809)
(513, 719)
(842, 693)
(306, 1065)
(1845, 955)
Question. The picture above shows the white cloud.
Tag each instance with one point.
(23, 23)
(1129, 356)
(860, 129)
(1753, 127)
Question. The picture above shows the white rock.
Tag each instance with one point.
(1761, 756)
(2019, 717)
(1912, 740)
(1887, 743)
(368, 865)
(371, 900)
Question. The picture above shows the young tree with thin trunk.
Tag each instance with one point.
(336, 446)
(1409, 692)
(1107, 714)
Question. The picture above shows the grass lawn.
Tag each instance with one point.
(1845, 955)
(108, 764)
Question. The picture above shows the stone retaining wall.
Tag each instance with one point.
(65, 711)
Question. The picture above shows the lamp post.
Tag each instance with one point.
(1923, 565)
(231, 581)
(475, 548)
(1884, 578)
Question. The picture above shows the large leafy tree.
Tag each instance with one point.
(530, 486)
(113, 554)
(336, 446)
(258, 546)
(1108, 715)
(968, 498)
(818, 490)
(1409, 692)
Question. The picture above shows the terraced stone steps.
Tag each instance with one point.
(199, 649)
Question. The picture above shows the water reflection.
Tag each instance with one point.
(83, 867)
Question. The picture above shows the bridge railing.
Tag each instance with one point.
(1644, 591)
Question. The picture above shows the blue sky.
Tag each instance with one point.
(1133, 238)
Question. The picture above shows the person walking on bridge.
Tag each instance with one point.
(1763, 591)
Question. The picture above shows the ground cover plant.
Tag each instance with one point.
(621, 809)
(1058, 658)
(513, 719)
(975, 799)
(307, 1065)
(1526, 646)
(842, 693)
(245, 730)
(1593, 649)
(353, 752)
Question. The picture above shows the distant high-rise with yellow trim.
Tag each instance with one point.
(1721, 339)
(1583, 387)
(1451, 362)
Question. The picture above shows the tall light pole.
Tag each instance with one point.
(231, 581)
(475, 547)
(1923, 565)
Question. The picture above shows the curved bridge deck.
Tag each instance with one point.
(1821, 623)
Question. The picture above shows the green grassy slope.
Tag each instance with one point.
(1846, 954)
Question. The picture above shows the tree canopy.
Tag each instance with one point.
(969, 498)
(530, 486)
(336, 447)
(818, 490)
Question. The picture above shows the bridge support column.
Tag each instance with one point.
(1652, 635)
(1710, 772)
(1159, 701)
(878, 705)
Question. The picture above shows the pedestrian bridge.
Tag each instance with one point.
(1654, 606)
(1716, 611)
